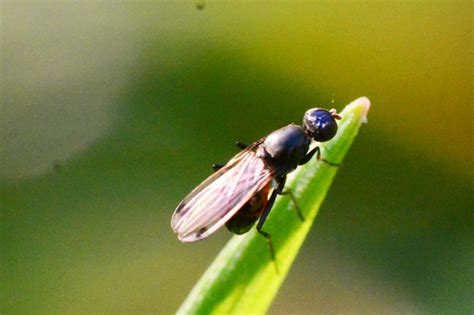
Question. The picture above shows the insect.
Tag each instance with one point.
(236, 195)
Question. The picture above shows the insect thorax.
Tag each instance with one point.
(284, 148)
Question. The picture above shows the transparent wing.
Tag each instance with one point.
(219, 197)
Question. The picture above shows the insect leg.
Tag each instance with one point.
(317, 150)
(297, 208)
(308, 156)
(241, 145)
(217, 167)
(279, 189)
(262, 219)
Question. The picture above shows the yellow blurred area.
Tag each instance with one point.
(420, 70)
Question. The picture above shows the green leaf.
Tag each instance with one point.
(243, 279)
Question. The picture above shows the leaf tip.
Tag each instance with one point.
(362, 105)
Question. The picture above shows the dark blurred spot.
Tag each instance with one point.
(200, 5)
(57, 165)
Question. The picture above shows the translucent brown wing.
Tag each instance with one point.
(220, 196)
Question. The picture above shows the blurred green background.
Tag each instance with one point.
(111, 112)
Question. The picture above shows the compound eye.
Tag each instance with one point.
(320, 124)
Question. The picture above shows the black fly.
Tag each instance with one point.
(237, 193)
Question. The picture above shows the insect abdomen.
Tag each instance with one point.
(246, 217)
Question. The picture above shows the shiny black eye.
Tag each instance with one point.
(320, 124)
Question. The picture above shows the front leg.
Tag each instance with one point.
(317, 151)
(308, 156)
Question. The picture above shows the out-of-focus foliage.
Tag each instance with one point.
(111, 112)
